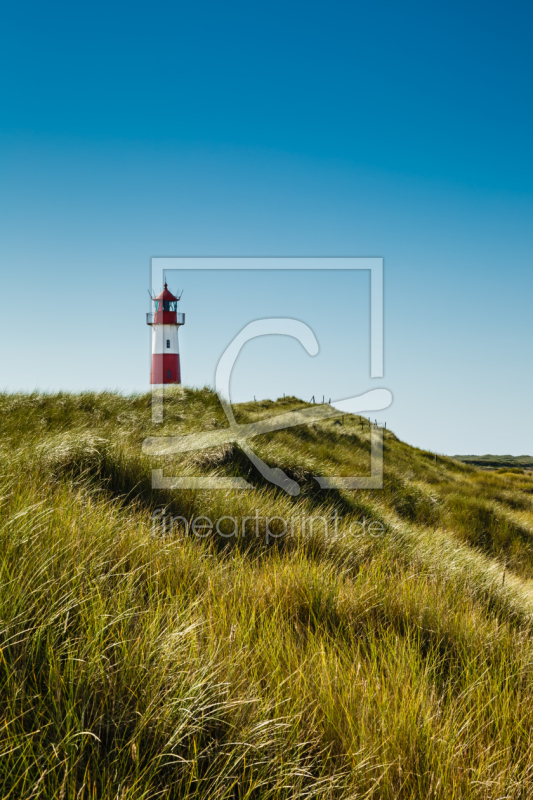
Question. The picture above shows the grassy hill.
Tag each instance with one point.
(380, 647)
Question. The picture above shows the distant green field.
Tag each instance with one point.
(336, 644)
(496, 462)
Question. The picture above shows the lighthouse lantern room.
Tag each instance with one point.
(165, 322)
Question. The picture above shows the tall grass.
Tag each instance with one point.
(323, 663)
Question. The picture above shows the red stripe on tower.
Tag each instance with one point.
(165, 368)
(165, 323)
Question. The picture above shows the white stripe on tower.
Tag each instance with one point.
(165, 339)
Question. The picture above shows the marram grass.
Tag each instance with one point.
(321, 664)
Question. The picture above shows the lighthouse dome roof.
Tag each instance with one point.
(166, 295)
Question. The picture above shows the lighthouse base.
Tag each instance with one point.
(165, 369)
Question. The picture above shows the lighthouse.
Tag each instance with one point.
(165, 322)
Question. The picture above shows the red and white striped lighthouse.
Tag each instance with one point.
(165, 322)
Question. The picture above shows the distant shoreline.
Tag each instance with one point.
(497, 462)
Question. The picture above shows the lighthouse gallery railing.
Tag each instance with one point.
(180, 318)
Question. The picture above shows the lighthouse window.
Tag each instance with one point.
(168, 374)
(169, 305)
(157, 305)
(168, 343)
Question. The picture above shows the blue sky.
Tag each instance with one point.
(396, 130)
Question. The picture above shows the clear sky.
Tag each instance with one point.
(395, 130)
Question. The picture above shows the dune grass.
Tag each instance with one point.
(333, 660)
